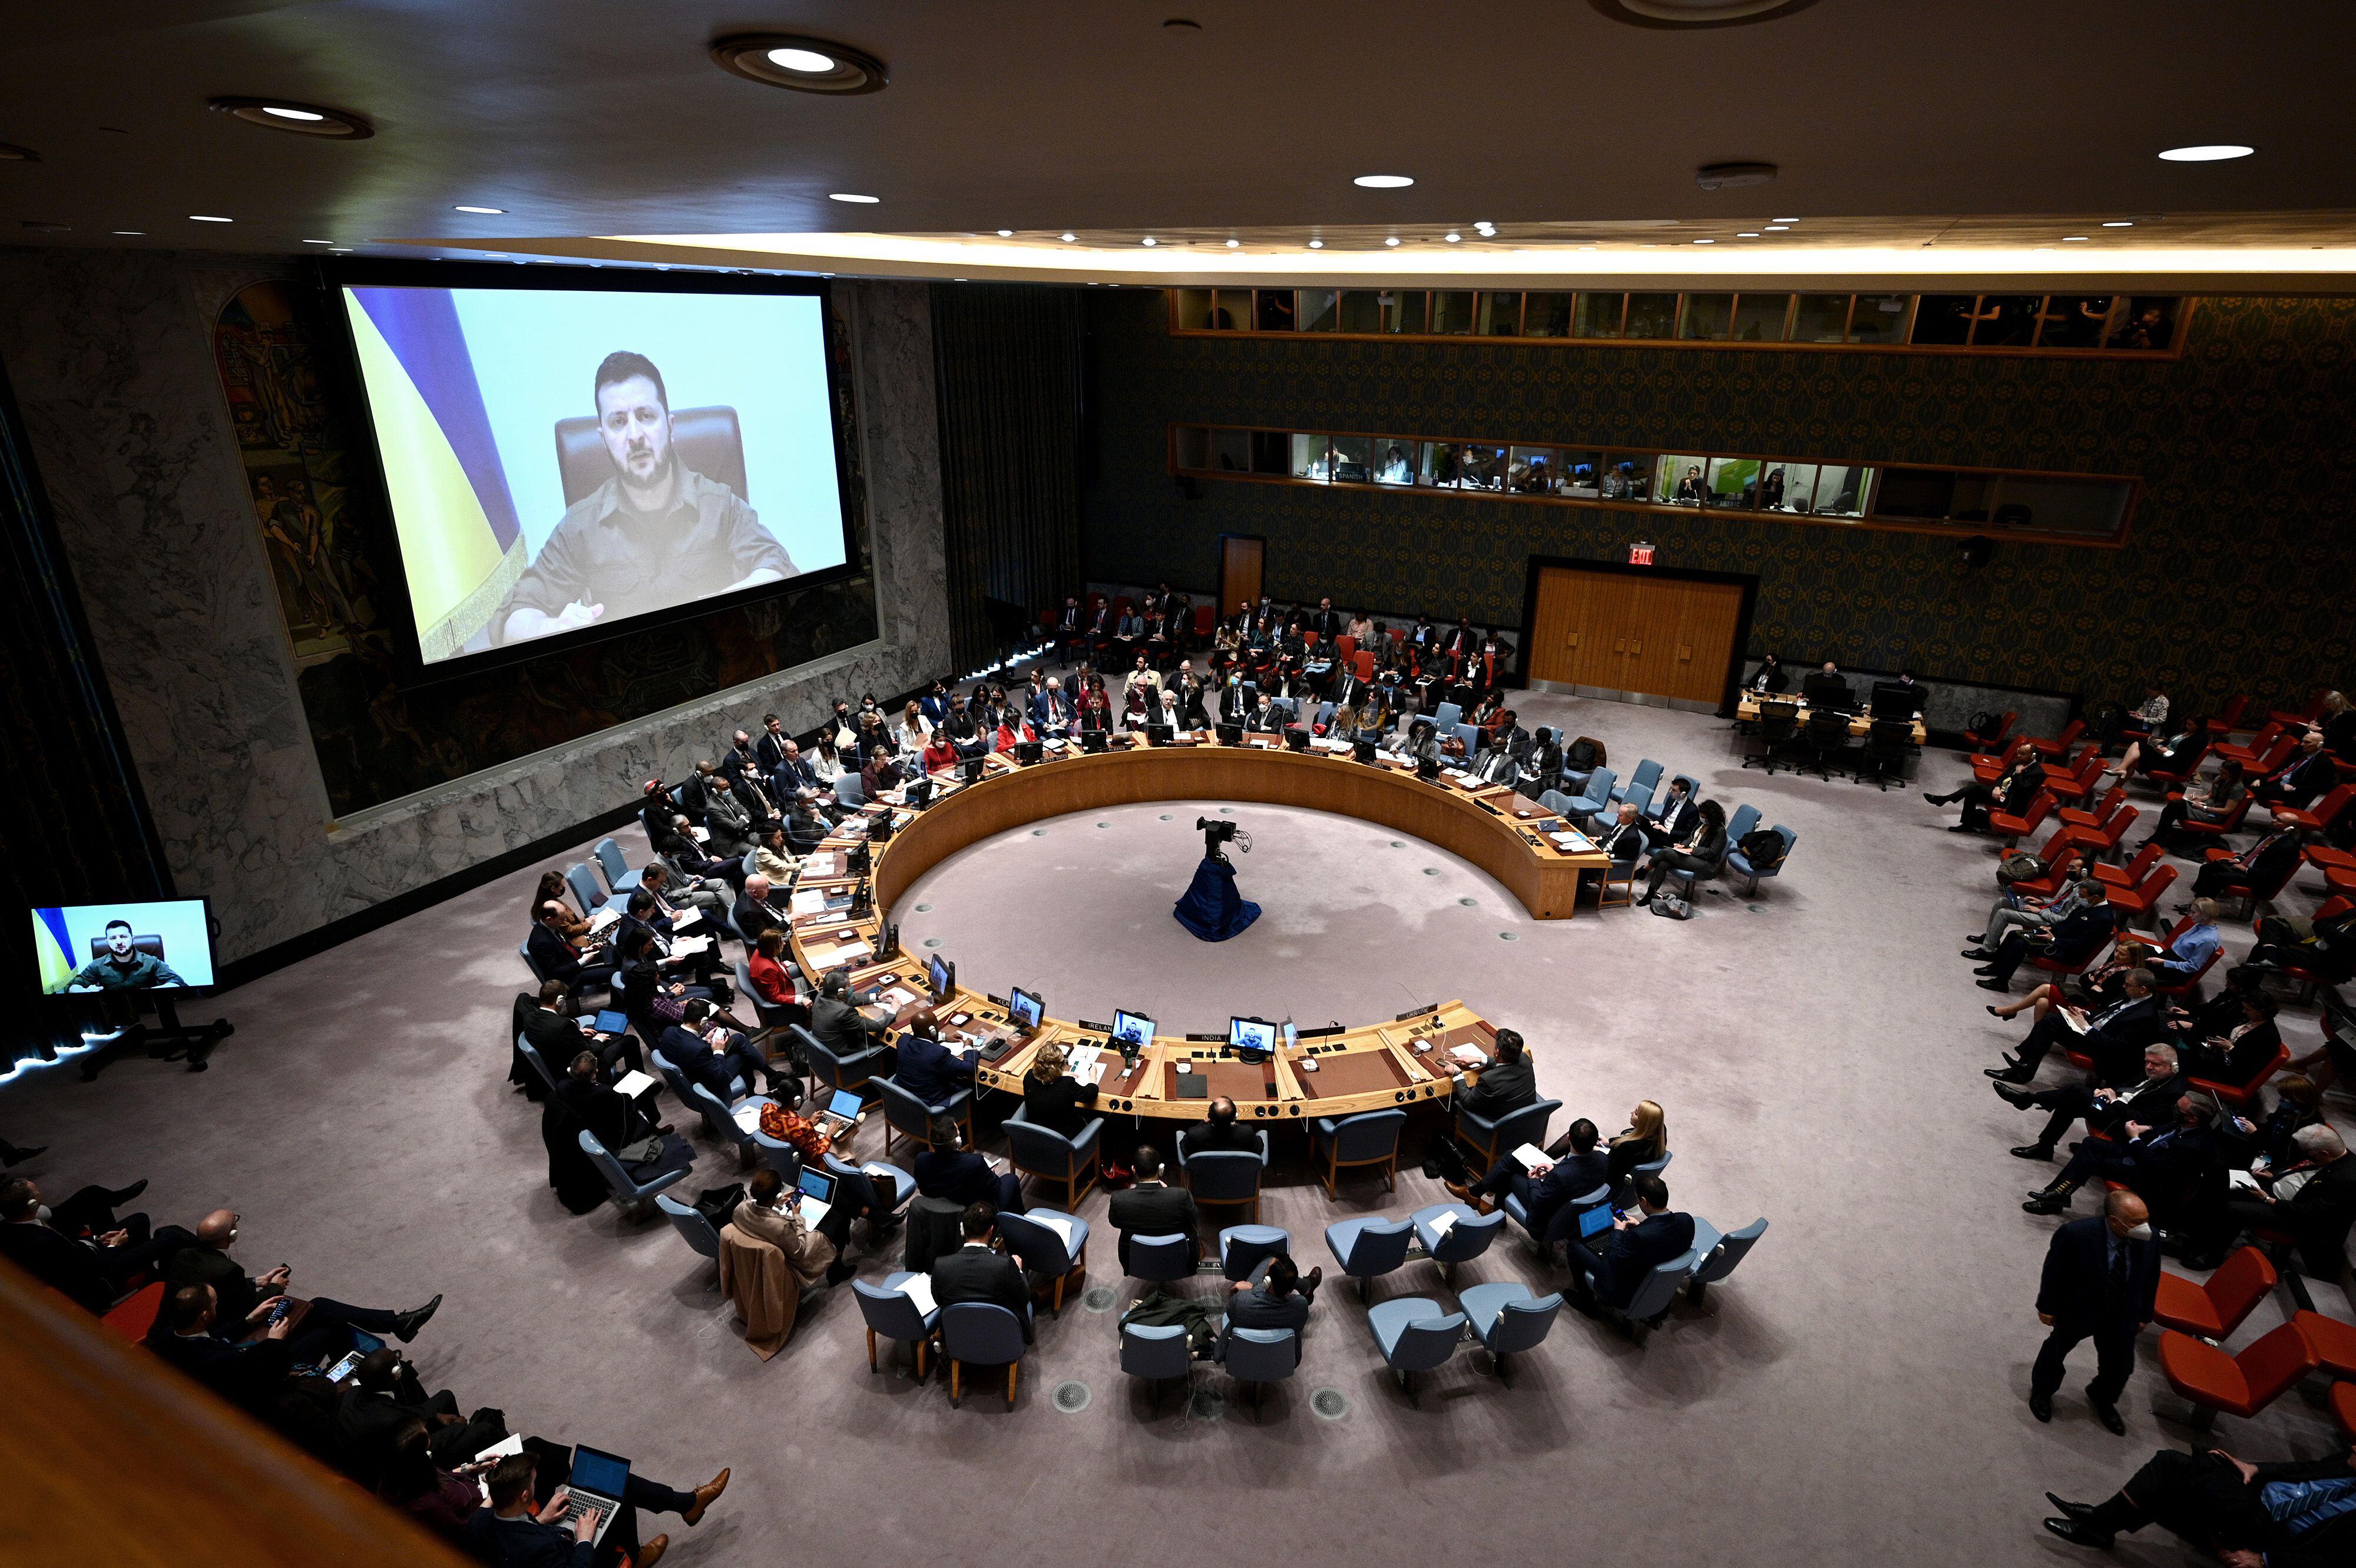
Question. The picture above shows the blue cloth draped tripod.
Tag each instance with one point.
(1212, 908)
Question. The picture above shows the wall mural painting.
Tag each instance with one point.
(377, 738)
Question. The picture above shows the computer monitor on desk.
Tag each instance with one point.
(1251, 1033)
(1822, 690)
(1160, 735)
(941, 975)
(1230, 734)
(1024, 1008)
(1132, 1028)
(1892, 700)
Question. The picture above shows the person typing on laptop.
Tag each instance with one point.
(574, 1531)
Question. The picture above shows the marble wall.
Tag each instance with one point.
(113, 368)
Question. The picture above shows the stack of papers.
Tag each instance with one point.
(681, 919)
(630, 1085)
(1472, 1056)
(1445, 1223)
(604, 917)
(809, 903)
(1576, 843)
(1531, 1156)
(918, 1288)
(688, 947)
(748, 1116)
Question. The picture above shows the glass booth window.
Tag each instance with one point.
(1879, 319)
(1681, 481)
(1231, 451)
(1443, 462)
(1481, 467)
(1759, 318)
(1396, 462)
(1840, 491)
(1598, 315)
(1232, 310)
(1546, 315)
(1945, 318)
(1734, 483)
(1579, 475)
(1353, 458)
(1272, 309)
(1193, 309)
(1651, 316)
(2054, 504)
(1530, 471)
(2145, 323)
(2008, 320)
(1821, 319)
(1627, 476)
(2075, 321)
(1193, 447)
(1451, 311)
(1317, 310)
(1708, 316)
(1272, 452)
(1403, 310)
(1501, 315)
(1309, 458)
(1362, 310)
(1787, 486)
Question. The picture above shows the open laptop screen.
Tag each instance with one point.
(595, 1470)
(816, 1184)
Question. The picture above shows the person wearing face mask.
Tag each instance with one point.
(2101, 1279)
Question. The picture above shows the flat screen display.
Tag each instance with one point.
(165, 946)
(1251, 1032)
(942, 974)
(559, 459)
(1024, 1008)
(1133, 1027)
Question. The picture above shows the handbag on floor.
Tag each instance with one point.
(1671, 906)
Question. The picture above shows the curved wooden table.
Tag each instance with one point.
(1404, 1060)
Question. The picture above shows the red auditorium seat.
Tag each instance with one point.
(2212, 1310)
(2239, 1385)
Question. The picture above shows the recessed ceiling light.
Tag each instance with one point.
(1482, 224)
(1069, 238)
(2119, 223)
(1453, 237)
(463, 207)
(346, 250)
(1384, 181)
(806, 65)
(2217, 152)
(1787, 221)
(1705, 241)
(1390, 239)
(318, 241)
(849, 195)
(2073, 239)
(1316, 244)
(134, 234)
(1234, 244)
(200, 218)
(1747, 234)
(1147, 241)
(298, 119)
(1006, 233)
(1776, 228)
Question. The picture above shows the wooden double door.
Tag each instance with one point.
(1627, 632)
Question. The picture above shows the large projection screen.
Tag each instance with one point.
(560, 461)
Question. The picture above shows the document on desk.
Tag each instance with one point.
(918, 1288)
(809, 902)
(1531, 1156)
(1470, 1055)
(689, 947)
(632, 1084)
(1576, 843)
(896, 997)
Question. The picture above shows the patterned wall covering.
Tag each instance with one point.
(2236, 575)
(329, 549)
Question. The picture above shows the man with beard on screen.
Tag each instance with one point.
(656, 535)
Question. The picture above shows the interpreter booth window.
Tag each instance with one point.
(1231, 311)
(1443, 462)
(1879, 319)
(1318, 311)
(1231, 451)
(1820, 319)
(1452, 312)
(1945, 320)
(1352, 461)
(2076, 320)
(1734, 483)
(1546, 315)
(1530, 471)
(1192, 448)
(1272, 452)
(1194, 306)
(1500, 315)
(1651, 316)
(1760, 317)
(1787, 486)
(1599, 314)
(1361, 311)
(1403, 310)
(1840, 491)
(2147, 322)
(2007, 321)
(1481, 467)
(2057, 504)
(1707, 318)
(1308, 459)
(1628, 476)
(1579, 474)
(1395, 461)
(1272, 309)
(1682, 482)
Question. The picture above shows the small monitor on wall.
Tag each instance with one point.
(1251, 1033)
(163, 945)
(1025, 1009)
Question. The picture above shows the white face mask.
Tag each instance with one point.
(2140, 1233)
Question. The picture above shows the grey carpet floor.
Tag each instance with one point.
(1853, 1395)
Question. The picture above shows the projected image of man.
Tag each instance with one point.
(653, 536)
(123, 967)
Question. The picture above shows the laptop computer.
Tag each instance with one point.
(817, 1189)
(613, 1021)
(1596, 1220)
(596, 1482)
(845, 1106)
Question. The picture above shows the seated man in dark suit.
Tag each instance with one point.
(2151, 1102)
(2263, 864)
(2309, 773)
(552, 1031)
(207, 1262)
(759, 910)
(1218, 1132)
(715, 1056)
(2162, 1165)
(382, 1396)
(928, 1068)
(976, 1271)
(2291, 1514)
(558, 959)
(244, 1369)
(506, 1535)
(1638, 1244)
(841, 1022)
(2079, 935)
(955, 1174)
(79, 1247)
(804, 828)
(2316, 1216)
(1505, 1085)
(1547, 1191)
(1276, 1296)
(2114, 1037)
(1152, 1207)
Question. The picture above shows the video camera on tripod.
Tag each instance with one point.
(1217, 831)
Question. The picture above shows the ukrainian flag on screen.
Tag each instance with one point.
(50, 947)
(461, 545)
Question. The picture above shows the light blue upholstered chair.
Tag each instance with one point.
(585, 891)
(1415, 1334)
(1486, 1140)
(890, 1312)
(1719, 1252)
(1157, 1352)
(1043, 1151)
(849, 792)
(1160, 1259)
(1227, 1176)
(1560, 804)
(1508, 1320)
(532, 1058)
(983, 1334)
(856, 1070)
(1260, 1356)
(692, 1227)
(1740, 863)
(1242, 1248)
(1513, 1208)
(1647, 775)
(1038, 1237)
(913, 1119)
(1368, 1138)
(618, 875)
(1639, 796)
(1369, 1247)
(627, 1192)
(1465, 1237)
(1594, 797)
(1653, 1293)
(1446, 716)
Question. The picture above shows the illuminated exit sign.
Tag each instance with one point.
(1639, 554)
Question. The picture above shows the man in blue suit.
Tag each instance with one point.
(956, 1173)
(2101, 1277)
(1638, 1244)
(1052, 713)
(2078, 936)
(717, 1060)
(927, 1069)
(1546, 1191)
